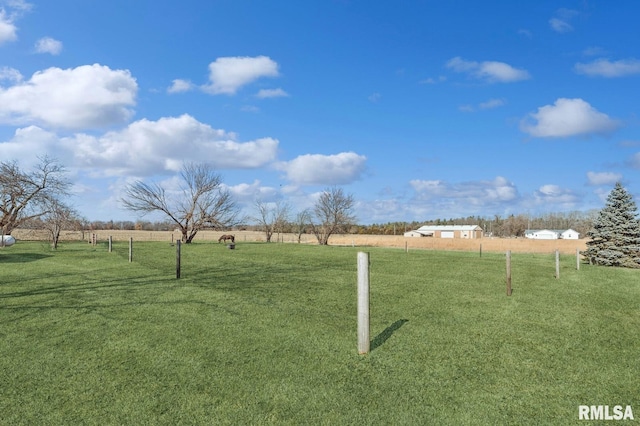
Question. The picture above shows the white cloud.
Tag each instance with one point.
(603, 178)
(249, 192)
(554, 194)
(560, 26)
(179, 86)
(8, 30)
(560, 22)
(272, 93)
(49, 45)
(143, 148)
(489, 71)
(10, 74)
(472, 193)
(606, 68)
(567, 117)
(15, 9)
(492, 103)
(146, 147)
(229, 74)
(19, 5)
(317, 169)
(29, 142)
(89, 96)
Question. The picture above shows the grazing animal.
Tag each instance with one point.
(226, 237)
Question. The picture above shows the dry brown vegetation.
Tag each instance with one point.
(516, 245)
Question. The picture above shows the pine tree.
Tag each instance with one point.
(615, 236)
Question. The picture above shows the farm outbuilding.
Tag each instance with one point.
(549, 234)
(447, 231)
(570, 234)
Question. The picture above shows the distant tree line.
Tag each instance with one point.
(498, 226)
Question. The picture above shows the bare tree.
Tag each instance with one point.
(302, 220)
(58, 217)
(201, 201)
(25, 195)
(333, 212)
(272, 217)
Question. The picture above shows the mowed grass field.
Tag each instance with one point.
(267, 334)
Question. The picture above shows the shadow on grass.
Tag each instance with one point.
(387, 333)
(22, 257)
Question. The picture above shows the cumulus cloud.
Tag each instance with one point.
(8, 30)
(31, 141)
(554, 194)
(249, 192)
(179, 86)
(89, 96)
(11, 75)
(607, 68)
(272, 93)
(489, 71)
(146, 147)
(48, 45)
(484, 192)
(143, 148)
(603, 178)
(229, 74)
(567, 117)
(317, 169)
(14, 10)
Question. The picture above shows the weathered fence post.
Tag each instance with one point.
(130, 249)
(406, 247)
(110, 243)
(178, 254)
(363, 303)
(508, 272)
(557, 264)
(577, 259)
(480, 249)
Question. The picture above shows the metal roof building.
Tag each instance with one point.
(447, 231)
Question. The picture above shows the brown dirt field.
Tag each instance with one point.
(516, 245)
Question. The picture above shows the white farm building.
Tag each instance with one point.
(447, 231)
(547, 234)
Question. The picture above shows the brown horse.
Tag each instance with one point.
(226, 237)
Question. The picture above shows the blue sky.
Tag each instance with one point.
(420, 109)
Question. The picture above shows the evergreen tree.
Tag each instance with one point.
(615, 236)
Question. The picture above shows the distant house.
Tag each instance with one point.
(570, 234)
(548, 234)
(447, 231)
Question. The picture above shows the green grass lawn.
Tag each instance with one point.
(267, 334)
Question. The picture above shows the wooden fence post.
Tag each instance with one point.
(178, 254)
(363, 303)
(577, 259)
(480, 249)
(110, 243)
(508, 272)
(130, 249)
(557, 264)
